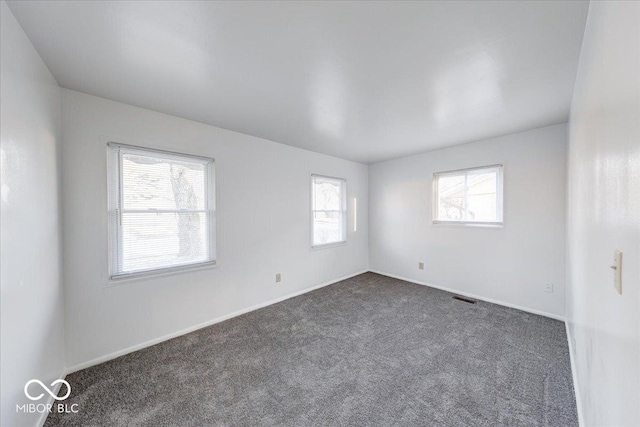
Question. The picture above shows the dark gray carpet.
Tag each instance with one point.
(367, 351)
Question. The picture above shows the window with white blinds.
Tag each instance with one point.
(162, 212)
(468, 196)
(328, 210)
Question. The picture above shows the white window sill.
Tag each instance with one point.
(468, 224)
(328, 245)
(152, 274)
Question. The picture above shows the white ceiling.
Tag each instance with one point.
(362, 81)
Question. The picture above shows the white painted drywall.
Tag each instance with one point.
(32, 343)
(509, 265)
(263, 227)
(604, 214)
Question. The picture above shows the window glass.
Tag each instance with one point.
(469, 196)
(328, 210)
(161, 210)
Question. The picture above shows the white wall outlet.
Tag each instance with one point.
(421, 266)
(278, 277)
(617, 271)
(548, 287)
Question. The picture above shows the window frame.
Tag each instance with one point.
(115, 182)
(499, 223)
(344, 211)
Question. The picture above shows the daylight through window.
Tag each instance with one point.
(329, 210)
(161, 210)
(469, 196)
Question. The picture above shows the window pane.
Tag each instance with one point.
(161, 183)
(469, 196)
(327, 194)
(327, 227)
(481, 183)
(482, 208)
(451, 198)
(161, 210)
(328, 212)
(481, 196)
(160, 240)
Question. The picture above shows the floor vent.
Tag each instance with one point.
(465, 299)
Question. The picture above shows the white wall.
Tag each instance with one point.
(604, 214)
(510, 265)
(263, 227)
(32, 343)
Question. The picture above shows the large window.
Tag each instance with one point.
(468, 196)
(161, 210)
(329, 210)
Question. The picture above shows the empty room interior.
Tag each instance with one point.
(320, 213)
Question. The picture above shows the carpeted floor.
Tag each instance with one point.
(368, 351)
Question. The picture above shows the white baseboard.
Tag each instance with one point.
(158, 340)
(478, 297)
(574, 372)
(50, 401)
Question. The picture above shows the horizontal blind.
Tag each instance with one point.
(329, 210)
(161, 210)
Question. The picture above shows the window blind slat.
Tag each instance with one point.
(161, 210)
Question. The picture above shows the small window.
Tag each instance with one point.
(328, 211)
(161, 211)
(468, 196)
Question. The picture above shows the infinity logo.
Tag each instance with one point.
(51, 393)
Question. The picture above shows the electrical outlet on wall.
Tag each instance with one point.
(421, 266)
(548, 287)
(278, 277)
